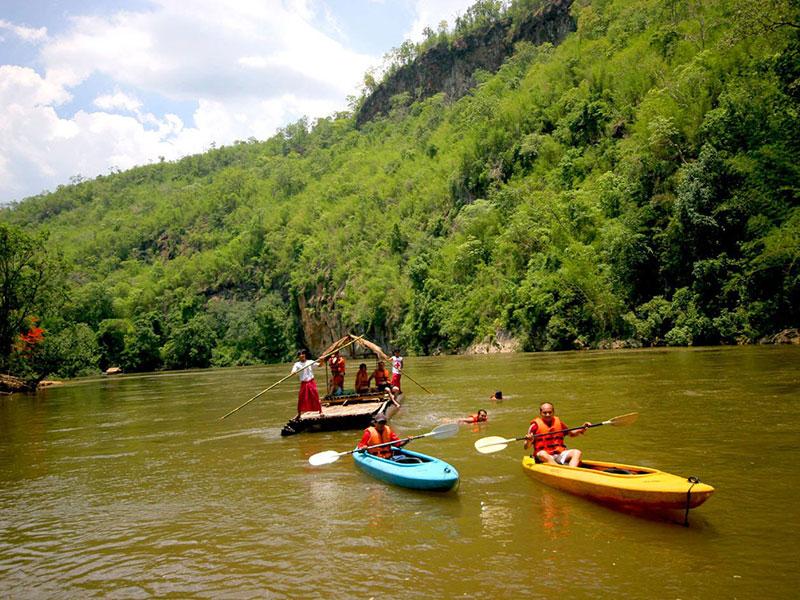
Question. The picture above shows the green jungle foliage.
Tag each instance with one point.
(638, 182)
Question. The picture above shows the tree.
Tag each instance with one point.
(190, 345)
(29, 278)
(143, 344)
(111, 341)
(71, 352)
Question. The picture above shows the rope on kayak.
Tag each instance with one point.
(694, 481)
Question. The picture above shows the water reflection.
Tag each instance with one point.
(554, 515)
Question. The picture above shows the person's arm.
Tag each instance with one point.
(369, 380)
(529, 436)
(580, 431)
(364, 440)
(394, 438)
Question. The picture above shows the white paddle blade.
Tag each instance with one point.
(444, 431)
(623, 420)
(324, 458)
(491, 444)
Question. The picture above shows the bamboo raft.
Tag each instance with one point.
(351, 411)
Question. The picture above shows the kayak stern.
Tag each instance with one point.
(622, 486)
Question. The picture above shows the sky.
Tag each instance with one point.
(88, 87)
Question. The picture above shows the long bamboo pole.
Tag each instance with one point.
(405, 374)
(323, 357)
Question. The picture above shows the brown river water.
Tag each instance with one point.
(132, 487)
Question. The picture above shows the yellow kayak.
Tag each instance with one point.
(622, 486)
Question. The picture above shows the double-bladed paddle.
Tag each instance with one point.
(330, 456)
(495, 443)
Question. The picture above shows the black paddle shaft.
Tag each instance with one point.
(524, 437)
(402, 442)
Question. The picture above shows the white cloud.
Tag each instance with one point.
(430, 14)
(118, 101)
(23, 86)
(301, 8)
(189, 56)
(27, 34)
(250, 66)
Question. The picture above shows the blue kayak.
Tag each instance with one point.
(409, 469)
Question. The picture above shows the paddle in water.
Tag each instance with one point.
(330, 456)
(494, 443)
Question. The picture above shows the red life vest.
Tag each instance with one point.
(377, 438)
(553, 443)
(381, 376)
(337, 366)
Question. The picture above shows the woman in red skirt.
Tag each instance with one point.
(308, 398)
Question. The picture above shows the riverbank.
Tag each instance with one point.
(505, 343)
(10, 384)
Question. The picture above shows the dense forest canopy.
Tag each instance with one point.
(640, 181)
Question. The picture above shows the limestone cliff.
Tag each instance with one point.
(449, 68)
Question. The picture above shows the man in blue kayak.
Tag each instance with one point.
(546, 434)
(379, 433)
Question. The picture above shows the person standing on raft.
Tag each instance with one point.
(308, 397)
(337, 365)
(397, 368)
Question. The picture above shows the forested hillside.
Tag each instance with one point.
(640, 181)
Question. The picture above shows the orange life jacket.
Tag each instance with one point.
(337, 366)
(362, 380)
(381, 376)
(377, 438)
(476, 418)
(553, 443)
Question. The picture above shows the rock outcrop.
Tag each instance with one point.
(501, 342)
(10, 384)
(450, 69)
(787, 336)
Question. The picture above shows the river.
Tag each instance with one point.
(132, 486)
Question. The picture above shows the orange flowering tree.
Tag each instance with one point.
(30, 278)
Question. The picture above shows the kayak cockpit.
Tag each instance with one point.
(615, 469)
(403, 458)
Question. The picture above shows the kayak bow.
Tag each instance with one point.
(409, 469)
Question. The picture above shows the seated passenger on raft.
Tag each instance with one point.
(362, 379)
(381, 377)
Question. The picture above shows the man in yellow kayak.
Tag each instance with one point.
(546, 434)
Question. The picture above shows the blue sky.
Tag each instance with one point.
(90, 86)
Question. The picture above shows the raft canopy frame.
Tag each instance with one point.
(352, 341)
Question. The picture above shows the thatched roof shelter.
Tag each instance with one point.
(356, 341)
